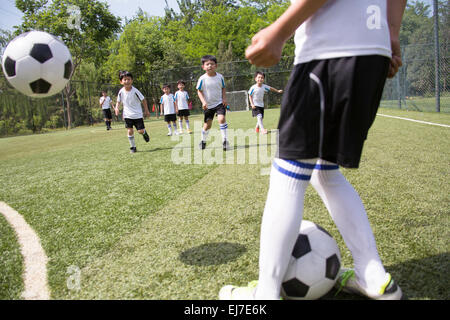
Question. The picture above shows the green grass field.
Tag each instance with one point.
(139, 226)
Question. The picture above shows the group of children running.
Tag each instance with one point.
(211, 92)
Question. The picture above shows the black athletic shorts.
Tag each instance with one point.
(184, 113)
(170, 117)
(107, 114)
(258, 110)
(210, 113)
(138, 123)
(328, 107)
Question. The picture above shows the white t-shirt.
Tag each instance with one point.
(167, 100)
(343, 28)
(105, 102)
(182, 97)
(212, 89)
(257, 94)
(131, 101)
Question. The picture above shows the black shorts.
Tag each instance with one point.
(170, 117)
(258, 110)
(209, 113)
(328, 107)
(107, 114)
(138, 123)
(184, 113)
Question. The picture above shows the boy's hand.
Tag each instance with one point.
(116, 111)
(204, 106)
(280, 91)
(147, 114)
(396, 60)
(266, 48)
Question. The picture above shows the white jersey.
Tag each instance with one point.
(343, 28)
(212, 89)
(167, 101)
(131, 101)
(105, 102)
(257, 94)
(182, 97)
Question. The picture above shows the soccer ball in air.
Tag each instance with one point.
(314, 264)
(37, 64)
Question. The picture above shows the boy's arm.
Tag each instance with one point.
(224, 97)
(116, 109)
(395, 9)
(276, 90)
(251, 102)
(201, 96)
(146, 111)
(268, 43)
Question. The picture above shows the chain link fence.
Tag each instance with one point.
(413, 88)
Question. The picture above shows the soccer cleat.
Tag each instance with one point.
(189, 131)
(202, 145)
(347, 282)
(264, 131)
(181, 131)
(257, 129)
(133, 150)
(230, 292)
(169, 133)
(146, 136)
(226, 145)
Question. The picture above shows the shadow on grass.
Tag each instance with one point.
(215, 253)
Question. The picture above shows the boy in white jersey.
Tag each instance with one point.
(169, 109)
(344, 51)
(256, 97)
(105, 104)
(131, 98)
(212, 94)
(182, 104)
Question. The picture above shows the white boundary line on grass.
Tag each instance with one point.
(35, 259)
(419, 121)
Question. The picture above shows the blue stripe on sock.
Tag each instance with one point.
(223, 126)
(291, 174)
(313, 166)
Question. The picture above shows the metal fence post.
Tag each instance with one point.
(436, 56)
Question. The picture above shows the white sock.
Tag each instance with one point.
(281, 222)
(132, 142)
(170, 128)
(260, 121)
(175, 126)
(205, 135)
(348, 213)
(180, 123)
(223, 131)
(187, 124)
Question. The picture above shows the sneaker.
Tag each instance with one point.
(169, 133)
(226, 145)
(180, 132)
(146, 136)
(264, 131)
(202, 145)
(189, 131)
(230, 292)
(347, 282)
(257, 129)
(177, 133)
(133, 150)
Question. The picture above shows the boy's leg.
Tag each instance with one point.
(130, 132)
(223, 126)
(186, 119)
(169, 127)
(281, 221)
(180, 124)
(348, 213)
(175, 126)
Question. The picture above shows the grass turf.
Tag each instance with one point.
(142, 227)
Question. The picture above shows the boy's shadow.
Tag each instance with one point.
(215, 253)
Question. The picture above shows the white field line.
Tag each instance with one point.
(35, 259)
(419, 121)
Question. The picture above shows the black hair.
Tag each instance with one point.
(208, 57)
(261, 73)
(181, 81)
(166, 86)
(125, 74)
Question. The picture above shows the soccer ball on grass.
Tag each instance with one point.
(37, 64)
(314, 264)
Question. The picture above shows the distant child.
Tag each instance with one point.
(212, 94)
(182, 103)
(256, 96)
(131, 98)
(105, 104)
(169, 109)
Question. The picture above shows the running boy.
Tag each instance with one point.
(105, 104)
(256, 97)
(169, 109)
(131, 98)
(212, 94)
(344, 51)
(182, 104)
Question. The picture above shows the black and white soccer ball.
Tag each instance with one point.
(314, 264)
(37, 64)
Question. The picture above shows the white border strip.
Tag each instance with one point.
(35, 259)
(419, 121)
